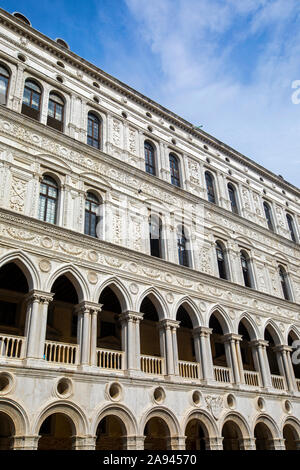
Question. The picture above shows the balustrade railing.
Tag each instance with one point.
(222, 374)
(64, 353)
(189, 370)
(108, 359)
(152, 365)
(278, 382)
(12, 346)
(251, 378)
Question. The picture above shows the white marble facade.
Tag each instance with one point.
(176, 391)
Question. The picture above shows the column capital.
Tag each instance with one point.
(259, 342)
(283, 347)
(168, 323)
(202, 330)
(40, 296)
(232, 337)
(90, 306)
(131, 315)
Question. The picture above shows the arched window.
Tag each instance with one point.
(92, 216)
(149, 158)
(291, 226)
(155, 229)
(93, 131)
(284, 283)
(221, 261)
(210, 187)
(233, 199)
(182, 242)
(32, 99)
(48, 200)
(55, 111)
(174, 169)
(246, 269)
(4, 81)
(268, 215)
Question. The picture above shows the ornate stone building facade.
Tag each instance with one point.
(149, 274)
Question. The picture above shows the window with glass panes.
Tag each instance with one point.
(149, 158)
(291, 227)
(31, 99)
(232, 197)
(93, 131)
(283, 281)
(55, 111)
(221, 261)
(182, 248)
(155, 236)
(246, 270)
(174, 170)
(4, 79)
(91, 214)
(48, 200)
(268, 215)
(210, 187)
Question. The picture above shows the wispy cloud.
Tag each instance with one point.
(229, 65)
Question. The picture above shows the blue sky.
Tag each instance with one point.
(228, 65)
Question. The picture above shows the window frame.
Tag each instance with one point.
(244, 255)
(147, 164)
(285, 283)
(61, 122)
(211, 196)
(158, 221)
(48, 197)
(91, 213)
(291, 227)
(4, 66)
(175, 179)
(181, 230)
(269, 218)
(99, 122)
(29, 110)
(220, 247)
(232, 190)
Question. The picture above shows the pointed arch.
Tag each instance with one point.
(118, 289)
(292, 329)
(75, 277)
(120, 411)
(157, 300)
(250, 325)
(223, 318)
(274, 332)
(27, 266)
(191, 308)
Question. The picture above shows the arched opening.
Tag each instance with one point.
(291, 438)
(270, 336)
(185, 339)
(174, 170)
(7, 432)
(233, 198)
(219, 349)
(4, 83)
(149, 158)
(210, 187)
(13, 291)
(263, 437)
(268, 215)
(56, 432)
(108, 324)
(150, 338)
(56, 106)
(62, 321)
(32, 99)
(196, 435)
(232, 436)
(295, 363)
(248, 355)
(111, 434)
(157, 435)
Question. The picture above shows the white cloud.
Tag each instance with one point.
(203, 45)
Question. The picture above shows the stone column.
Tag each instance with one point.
(284, 353)
(205, 358)
(278, 443)
(232, 340)
(168, 338)
(86, 336)
(36, 322)
(131, 339)
(264, 369)
(139, 442)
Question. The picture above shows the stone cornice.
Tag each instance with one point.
(45, 239)
(11, 22)
(85, 151)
